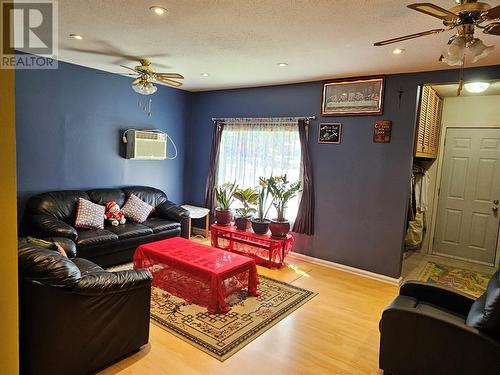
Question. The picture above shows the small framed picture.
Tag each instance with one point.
(382, 131)
(353, 97)
(329, 133)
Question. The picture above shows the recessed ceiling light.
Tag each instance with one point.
(398, 51)
(476, 87)
(204, 74)
(158, 10)
(282, 64)
(76, 36)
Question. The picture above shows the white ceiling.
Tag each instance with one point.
(240, 42)
(450, 90)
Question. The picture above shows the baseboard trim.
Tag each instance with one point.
(342, 267)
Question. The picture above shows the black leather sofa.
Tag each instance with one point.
(52, 214)
(74, 316)
(430, 330)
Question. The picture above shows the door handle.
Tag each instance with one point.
(495, 202)
(495, 209)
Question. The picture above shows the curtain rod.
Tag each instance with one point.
(308, 118)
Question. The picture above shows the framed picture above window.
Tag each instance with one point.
(329, 133)
(353, 97)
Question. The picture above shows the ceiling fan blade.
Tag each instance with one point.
(169, 82)
(136, 81)
(492, 28)
(121, 73)
(169, 75)
(129, 68)
(493, 13)
(406, 37)
(433, 10)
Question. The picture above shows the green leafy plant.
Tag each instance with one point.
(262, 198)
(282, 191)
(248, 197)
(224, 195)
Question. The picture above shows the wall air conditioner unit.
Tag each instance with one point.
(146, 145)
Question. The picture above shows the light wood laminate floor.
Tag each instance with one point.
(334, 333)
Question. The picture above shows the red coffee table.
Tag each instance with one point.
(197, 273)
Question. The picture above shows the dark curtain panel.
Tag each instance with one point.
(304, 223)
(212, 168)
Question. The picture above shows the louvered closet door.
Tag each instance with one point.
(436, 126)
(422, 120)
(429, 119)
(467, 220)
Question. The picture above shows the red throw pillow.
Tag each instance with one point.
(89, 215)
(136, 209)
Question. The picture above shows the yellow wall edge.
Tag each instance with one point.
(9, 337)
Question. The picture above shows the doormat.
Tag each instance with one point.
(222, 335)
(470, 282)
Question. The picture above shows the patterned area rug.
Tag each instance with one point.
(222, 335)
(466, 281)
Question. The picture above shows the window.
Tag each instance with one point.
(253, 149)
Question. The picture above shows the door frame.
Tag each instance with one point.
(437, 186)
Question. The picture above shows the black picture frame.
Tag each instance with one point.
(330, 133)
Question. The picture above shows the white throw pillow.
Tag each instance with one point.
(136, 209)
(89, 215)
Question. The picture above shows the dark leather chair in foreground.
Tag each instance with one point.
(431, 330)
(74, 316)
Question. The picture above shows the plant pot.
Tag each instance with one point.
(242, 223)
(223, 217)
(260, 227)
(279, 229)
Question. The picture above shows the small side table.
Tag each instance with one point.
(198, 213)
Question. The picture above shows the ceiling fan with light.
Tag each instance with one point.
(465, 18)
(145, 75)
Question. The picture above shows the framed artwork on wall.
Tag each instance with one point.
(382, 131)
(329, 132)
(353, 97)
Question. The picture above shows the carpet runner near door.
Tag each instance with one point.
(470, 282)
(222, 335)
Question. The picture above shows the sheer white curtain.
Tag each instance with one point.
(253, 148)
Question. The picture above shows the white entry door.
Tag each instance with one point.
(467, 216)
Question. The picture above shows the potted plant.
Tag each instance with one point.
(282, 191)
(260, 223)
(224, 196)
(247, 197)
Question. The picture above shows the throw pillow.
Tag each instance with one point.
(89, 215)
(52, 245)
(136, 209)
(60, 249)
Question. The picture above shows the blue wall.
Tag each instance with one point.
(361, 187)
(68, 137)
(69, 123)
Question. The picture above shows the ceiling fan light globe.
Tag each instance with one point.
(453, 53)
(144, 88)
(452, 62)
(479, 50)
(137, 88)
(152, 89)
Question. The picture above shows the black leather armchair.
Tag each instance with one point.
(431, 330)
(75, 317)
(52, 214)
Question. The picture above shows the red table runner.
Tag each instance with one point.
(197, 273)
